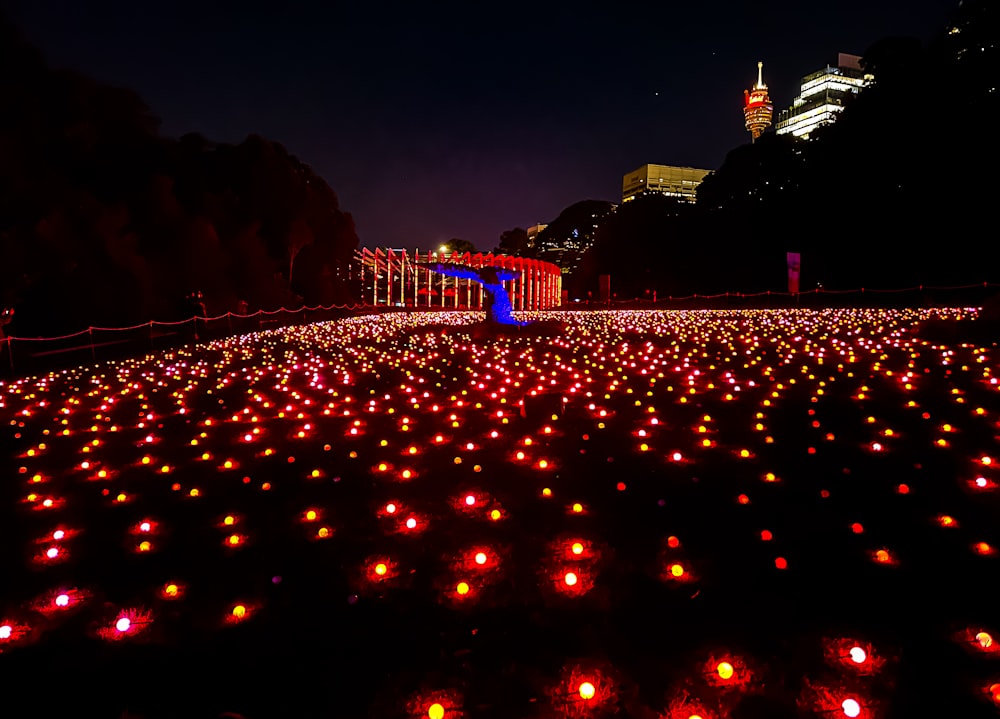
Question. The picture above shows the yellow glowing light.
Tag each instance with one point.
(239, 611)
(725, 670)
(435, 711)
(570, 579)
(480, 558)
(462, 588)
(587, 690)
(577, 548)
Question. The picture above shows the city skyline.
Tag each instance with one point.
(444, 123)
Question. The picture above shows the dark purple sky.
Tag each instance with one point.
(440, 120)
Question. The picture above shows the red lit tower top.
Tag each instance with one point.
(757, 107)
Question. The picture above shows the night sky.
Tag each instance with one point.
(438, 120)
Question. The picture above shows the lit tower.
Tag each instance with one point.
(757, 107)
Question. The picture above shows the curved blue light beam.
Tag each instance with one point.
(491, 278)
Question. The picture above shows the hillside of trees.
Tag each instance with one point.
(898, 192)
(104, 222)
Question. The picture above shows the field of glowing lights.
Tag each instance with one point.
(657, 514)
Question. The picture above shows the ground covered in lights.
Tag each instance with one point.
(662, 515)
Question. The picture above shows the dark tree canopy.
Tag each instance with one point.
(513, 242)
(460, 246)
(104, 222)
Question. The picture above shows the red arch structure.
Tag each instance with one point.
(395, 278)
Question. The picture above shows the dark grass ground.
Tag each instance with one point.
(325, 638)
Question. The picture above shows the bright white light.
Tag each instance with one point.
(851, 708)
(858, 655)
(6, 631)
(123, 624)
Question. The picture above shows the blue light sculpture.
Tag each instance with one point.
(498, 309)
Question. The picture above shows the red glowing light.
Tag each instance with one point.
(858, 656)
(126, 624)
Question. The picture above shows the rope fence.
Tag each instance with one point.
(37, 354)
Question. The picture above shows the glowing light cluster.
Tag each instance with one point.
(660, 450)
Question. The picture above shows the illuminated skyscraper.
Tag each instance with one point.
(757, 107)
(823, 96)
(678, 182)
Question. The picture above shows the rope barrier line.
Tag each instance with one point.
(152, 323)
(291, 317)
(305, 308)
(817, 291)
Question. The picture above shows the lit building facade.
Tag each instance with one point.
(679, 182)
(822, 96)
(400, 278)
(533, 233)
(757, 107)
